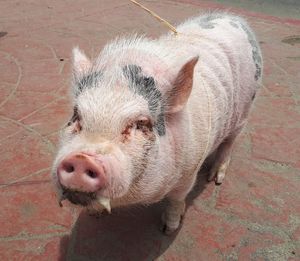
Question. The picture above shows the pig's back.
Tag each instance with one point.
(228, 72)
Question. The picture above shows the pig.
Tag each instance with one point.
(148, 112)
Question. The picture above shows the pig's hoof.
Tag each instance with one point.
(217, 176)
(220, 177)
(169, 227)
(167, 230)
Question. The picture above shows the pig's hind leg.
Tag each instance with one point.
(222, 158)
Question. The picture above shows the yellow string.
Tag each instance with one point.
(171, 27)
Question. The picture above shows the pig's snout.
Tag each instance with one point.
(82, 172)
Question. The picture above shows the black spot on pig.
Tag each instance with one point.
(88, 81)
(206, 21)
(145, 86)
(257, 72)
(256, 56)
(233, 24)
(207, 25)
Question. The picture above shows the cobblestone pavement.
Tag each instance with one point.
(254, 215)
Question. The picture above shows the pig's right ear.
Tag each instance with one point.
(81, 62)
(182, 86)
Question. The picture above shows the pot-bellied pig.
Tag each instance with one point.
(147, 113)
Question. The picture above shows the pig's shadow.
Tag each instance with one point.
(127, 234)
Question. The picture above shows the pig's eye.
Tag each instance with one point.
(144, 125)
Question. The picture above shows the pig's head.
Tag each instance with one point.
(113, 139)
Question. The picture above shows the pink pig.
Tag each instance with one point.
(147, 113)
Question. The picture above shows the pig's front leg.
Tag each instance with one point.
(175, 209)
(172, 216)
(222, 158)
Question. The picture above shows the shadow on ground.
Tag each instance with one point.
(126, 234)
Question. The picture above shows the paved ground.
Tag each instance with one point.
(254, 215)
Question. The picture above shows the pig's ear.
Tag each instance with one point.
(182, 87)
(81, 62)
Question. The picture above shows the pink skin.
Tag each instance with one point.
(82, 171)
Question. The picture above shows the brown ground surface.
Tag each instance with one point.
(254, 215)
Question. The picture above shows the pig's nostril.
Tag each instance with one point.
(91, 174)
(69, 168)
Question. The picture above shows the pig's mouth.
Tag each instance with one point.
(85, 199)
(78, 197)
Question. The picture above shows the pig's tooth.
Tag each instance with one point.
(105, 202)
(61, 198)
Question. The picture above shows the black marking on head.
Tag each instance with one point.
(255, 51)
(145, 86)
(253, 96)
(160, 124)
(88, 81)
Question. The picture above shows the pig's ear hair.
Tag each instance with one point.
(81, 63)
(177, 97)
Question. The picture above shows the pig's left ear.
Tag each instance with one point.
(81, 62)
(177, 97)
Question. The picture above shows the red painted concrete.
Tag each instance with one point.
(254, 215)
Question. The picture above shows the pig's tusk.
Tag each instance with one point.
(61, 198)
(105, 202)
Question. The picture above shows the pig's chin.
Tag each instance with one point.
(78, 197)
(97, 200)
